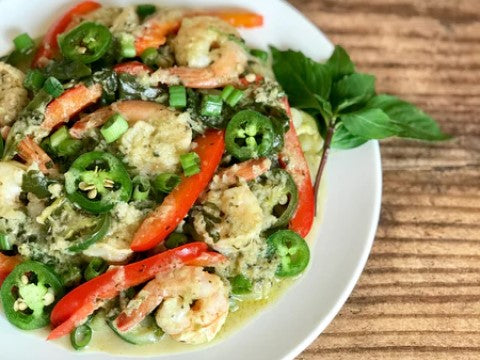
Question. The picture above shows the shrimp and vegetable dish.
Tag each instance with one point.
(153, 176)
(145, 176)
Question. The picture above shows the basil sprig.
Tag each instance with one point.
(345, 104)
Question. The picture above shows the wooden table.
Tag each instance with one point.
(419, 296)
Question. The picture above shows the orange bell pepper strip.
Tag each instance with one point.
(32, 153)
(49, 47)
(293, 160)
(74, 308)
(7, 264)
(70, 103)
(166, 217)
(133, 68)
(247, 171)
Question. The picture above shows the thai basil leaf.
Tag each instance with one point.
(412, 121)
(370, 124)
(340, 63)
(343, 139)
(352, 90)
(302, 78)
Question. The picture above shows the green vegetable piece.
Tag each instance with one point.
(34, 80)
(23, 43)
(80, 337)
(240, 285)
(145, 10)
(67, 70)
(86, 43)
(147, 332)
(261, 54)
(227, 91)
(190, 163)
(53, 87)
(211, 105)
(166, 182)
(234, 97)
(141, 188)
(249, 134)
(178, 96)
(4, 243)
(96, 267)
(149, 56)
(59, 136)
(96, 181)
(175, 240)
(96, 235)
(114, 128)
(292, 250)
(69, 147)
(283, 211)
(36, 183)
(29, 293)
(127, 46)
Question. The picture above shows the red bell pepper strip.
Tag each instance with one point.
(7, 264)
(70, 103)
(49, 46)
(132, 68)
(79, 303)
(32, 153)
(165, 218)
(293, 160)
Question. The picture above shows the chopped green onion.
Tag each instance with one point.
(141, 188)
(262, 55)
(227, 91)
(53, 87)
(81, 337)
(4, 243)
(190, 163)
(234, 97)
(114, 128)
(96, 267)
(69, 147)
(240, 285)
(166, 182)
(59, 136)
(149, 56)
(23, 43)
(34, 80)
(175, 240)
(178, 96)
(145, 10)
(127, 46)
(211, 105)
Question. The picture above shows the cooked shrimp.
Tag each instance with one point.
(208, 52)
(193, 305)
(157, 137)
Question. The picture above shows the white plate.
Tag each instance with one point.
(342, 245)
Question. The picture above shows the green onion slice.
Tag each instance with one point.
(23, 43)
(178, 96)
(34, 80)
(4, 243)
(149, 56)
(166, 182)
(53, 87)
(141, 188)
(190, 163)
(114, 128)
(81, 337)
(211, 105)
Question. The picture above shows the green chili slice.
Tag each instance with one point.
(87, 42)
(97, 234)
(146, 332)
(29, 293)
(249, 134)
(96, 181)
(81, 336)
(292, 250)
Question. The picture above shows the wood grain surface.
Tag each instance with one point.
(419, 296)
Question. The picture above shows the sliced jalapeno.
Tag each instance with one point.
(29, 294)
(96, 181)
(292, 250)
(81, 337)
(146, 332)
(249, 134)
(97, 234)
(86, 43)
